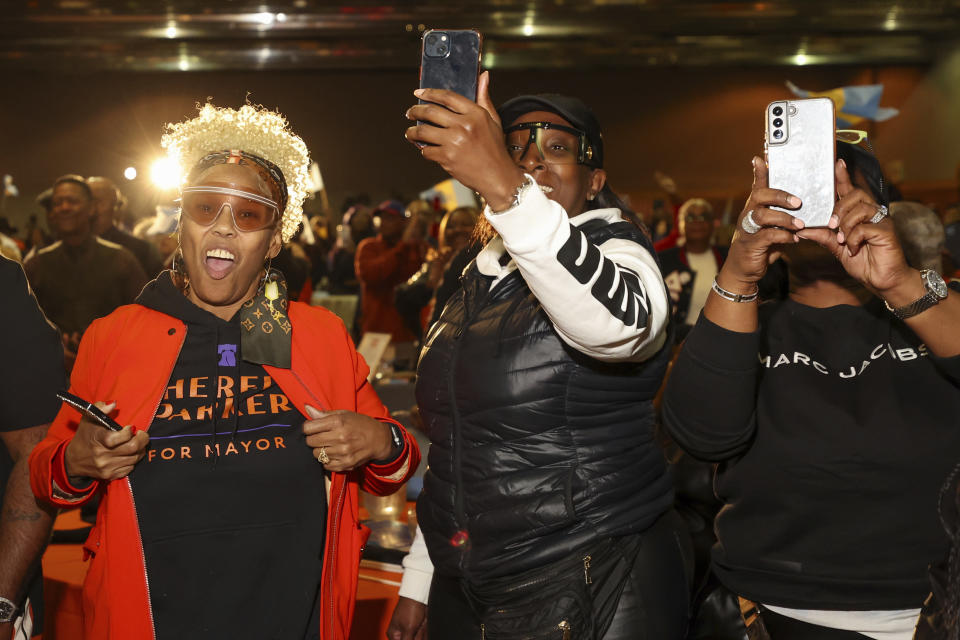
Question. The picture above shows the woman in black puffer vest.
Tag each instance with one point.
(547, 505)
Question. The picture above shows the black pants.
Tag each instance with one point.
(654, 604)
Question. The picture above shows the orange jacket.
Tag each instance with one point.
(128, 357)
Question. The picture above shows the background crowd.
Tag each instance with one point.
(391, 268)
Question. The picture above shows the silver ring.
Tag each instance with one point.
(322, 457)
(882, 212)
(748, 224)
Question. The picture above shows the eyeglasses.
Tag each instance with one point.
(856, 136)
(250, 211)
(556, 143)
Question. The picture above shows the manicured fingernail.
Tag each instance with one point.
(406, 114)
(798, 223)
(133, 431)
(418, 92)
(840, 237)
(794, 201)
(843, 163)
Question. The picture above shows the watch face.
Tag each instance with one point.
(935, 283)
(6, 611)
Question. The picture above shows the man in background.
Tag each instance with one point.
(80, 277)
(106, 210)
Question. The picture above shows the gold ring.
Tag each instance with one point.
(322, 457)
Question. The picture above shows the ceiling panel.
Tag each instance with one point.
(78, 35)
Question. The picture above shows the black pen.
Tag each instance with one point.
(90, 409)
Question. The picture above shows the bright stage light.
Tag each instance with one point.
(130, 173)
(165, 173)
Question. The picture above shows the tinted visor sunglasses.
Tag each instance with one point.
(250, 211)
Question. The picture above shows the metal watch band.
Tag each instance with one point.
(931, 298)
(8, 610)
(919, 305)
(734, 297)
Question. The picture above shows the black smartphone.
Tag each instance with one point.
(450, 59)
(90, 410)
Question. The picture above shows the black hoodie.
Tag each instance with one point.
(231, 503)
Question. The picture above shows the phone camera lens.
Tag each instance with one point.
(777, 134)
(778, 111)
(777, 122)
(442, 49)
(432, 39)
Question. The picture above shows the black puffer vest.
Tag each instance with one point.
(537, 449)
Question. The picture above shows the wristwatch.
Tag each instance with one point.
(8, 610)
(396, 436)
(396, 442)
(936, 291)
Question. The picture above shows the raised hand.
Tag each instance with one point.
(751, 253)
(869, 251)
(466, 139)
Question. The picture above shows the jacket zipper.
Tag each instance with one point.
(336, 515)
(336, 532)
(133, 502)
(459, 511)
(143, 558)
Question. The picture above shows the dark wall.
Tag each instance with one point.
(700, 125)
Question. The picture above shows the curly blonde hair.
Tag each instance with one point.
(252, 129)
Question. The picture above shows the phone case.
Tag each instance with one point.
(450, 59)
(801, 153)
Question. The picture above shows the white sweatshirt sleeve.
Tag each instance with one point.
(607, 301)
(417, 571)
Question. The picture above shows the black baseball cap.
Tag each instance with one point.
(571, 109)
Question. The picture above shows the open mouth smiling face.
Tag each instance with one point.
(223, 261)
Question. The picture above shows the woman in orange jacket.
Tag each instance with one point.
(230, 498)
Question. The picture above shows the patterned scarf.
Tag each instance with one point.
(265, 338)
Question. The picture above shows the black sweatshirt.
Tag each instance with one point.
(231, 503)
(832, 446)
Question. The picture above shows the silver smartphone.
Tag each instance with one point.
(801, 154)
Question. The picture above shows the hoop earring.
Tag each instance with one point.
(179, 272)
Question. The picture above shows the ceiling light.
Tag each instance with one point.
(528, 29)
(130, 173)
(890, 23)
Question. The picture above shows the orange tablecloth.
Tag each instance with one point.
(64, 569)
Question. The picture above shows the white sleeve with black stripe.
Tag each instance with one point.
(607, 301)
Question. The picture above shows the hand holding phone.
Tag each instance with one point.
(801, 152)
(450, 59)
